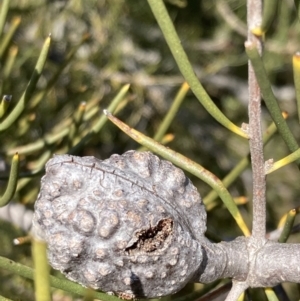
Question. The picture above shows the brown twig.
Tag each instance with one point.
(255, 131)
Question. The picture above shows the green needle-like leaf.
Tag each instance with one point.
(297, 4)
(270, 294)
(4, 104)
(295, 156)
(238, 169)
(20, 106)
(102, 120)
(42, 270)
(47, 140)
(288, 225)
(4, 299)
(3, 14)
(9, 62)
(6, 39)
(37, 98)
(12, 181)
(165, 23)
(269, 98)
(165, 124)
(77, 120)
(296, 71)
(269, 12)
(63, 284)
(172, 112)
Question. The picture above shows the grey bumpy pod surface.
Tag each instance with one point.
(131, 225)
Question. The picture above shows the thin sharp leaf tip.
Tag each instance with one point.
(7, 98)
(248, 44)
(107, 113)
(16, 242)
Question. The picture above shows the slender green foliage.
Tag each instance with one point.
(163, 19)
(56, 282)
(238, 169)
(296, 71)
(270, 100)
(3, 14)
(271, 295)
(295, 156)
(20, 106)
(269, 11)
(41, 271)
(172, 112)
(290, 218)
(12, 181)
(91, 66)
(4, 104)
(102, 120)
(6, 40)
(297, 4)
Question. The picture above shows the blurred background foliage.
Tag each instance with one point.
(100, 45)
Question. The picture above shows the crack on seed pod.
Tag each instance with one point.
(150, 240)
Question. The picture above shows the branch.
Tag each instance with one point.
(276, 263)
(237, 289)
(255, 131)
